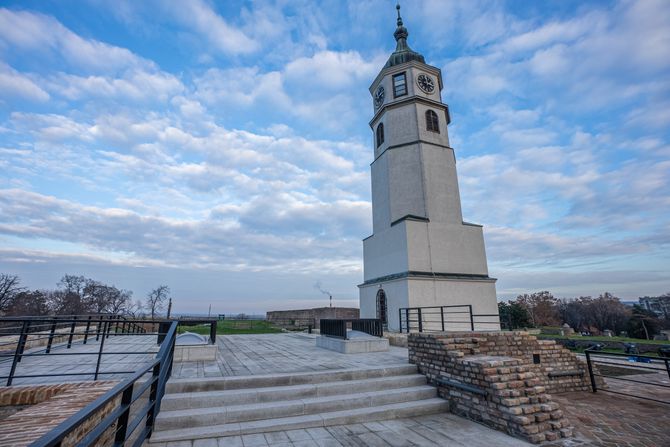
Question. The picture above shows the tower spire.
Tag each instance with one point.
(403, 53)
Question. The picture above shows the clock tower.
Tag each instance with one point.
(421, 252)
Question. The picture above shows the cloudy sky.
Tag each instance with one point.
(222, 148)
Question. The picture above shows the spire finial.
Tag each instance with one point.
(397, 6)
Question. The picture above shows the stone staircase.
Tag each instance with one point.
(215, 407)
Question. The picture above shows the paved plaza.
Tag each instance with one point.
(122, 354)
(241, 355)
(601, 419)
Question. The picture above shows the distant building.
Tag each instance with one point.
(660, 305)
(298, 318)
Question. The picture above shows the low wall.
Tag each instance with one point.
(301, 316)
(502, 379)
(49, 406)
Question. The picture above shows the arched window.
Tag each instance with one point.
(432, 124)
(382, 311)
(380, 134)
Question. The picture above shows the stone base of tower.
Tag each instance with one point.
(415, 289)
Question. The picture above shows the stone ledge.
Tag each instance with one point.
(353, 346)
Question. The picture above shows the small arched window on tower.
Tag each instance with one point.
(432, 124)
(380, 134)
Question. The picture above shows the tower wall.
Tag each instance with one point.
(421, 253)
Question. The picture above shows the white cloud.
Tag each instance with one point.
(14, 84)
(34, 32)
(202, 19)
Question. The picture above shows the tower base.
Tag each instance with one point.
(472, 294)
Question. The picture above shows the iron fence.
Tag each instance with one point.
(600, 362)
(338, 327)
(445, 318)
(24, 337)
(130, 425)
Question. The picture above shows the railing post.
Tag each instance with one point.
(400, 320)
(590, 366)
(420, 319)
(153, 398)
(472, 318)
(442, 316)
(109, 326)
(19, 350)
(69, 340)
(98, 325)
(407, 318)
(212, 332)
(51, 336)
(88, 327)
(122, 423)
(102, 344)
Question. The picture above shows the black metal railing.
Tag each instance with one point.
(192, 321)
(338, 327)
(600, 362)
(445, 318)
(26, 337)
(131, 425)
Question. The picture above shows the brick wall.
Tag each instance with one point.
(493, 378)
(49, 406)
(315, 314)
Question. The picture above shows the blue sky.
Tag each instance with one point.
(222, 148)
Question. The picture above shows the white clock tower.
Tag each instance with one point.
(421, 252)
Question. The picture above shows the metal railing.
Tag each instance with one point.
(24, 337)
(445, 318)
(338, 328)
(124, 423)
(605, 361)
(192, 321)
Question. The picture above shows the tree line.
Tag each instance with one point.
(583, 314)
(77, 295)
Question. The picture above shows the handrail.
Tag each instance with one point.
(593, 373)
(160, 367)
(35, 330)
(443, 318)
(338, 327)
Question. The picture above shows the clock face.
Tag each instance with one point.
(379, 96)
(425, 83)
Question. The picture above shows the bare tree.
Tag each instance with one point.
(156, 300)
(26, 303)
(541, 307)
(9, 288)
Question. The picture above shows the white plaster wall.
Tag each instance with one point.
(445, 248)
(405, 182)
(443, 202)
(396, 297)
(385, 253)
(381, 206)
(400, 125)
(481, 294)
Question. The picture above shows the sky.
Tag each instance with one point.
(223, 148)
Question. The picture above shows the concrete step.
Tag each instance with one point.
(273, 380)
(204, 399)
(199, 417)
(349, 416)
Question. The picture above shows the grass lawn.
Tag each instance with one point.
(603, 338)
(230, 327)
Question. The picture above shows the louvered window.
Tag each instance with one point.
(432, 124)
(380, 134)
